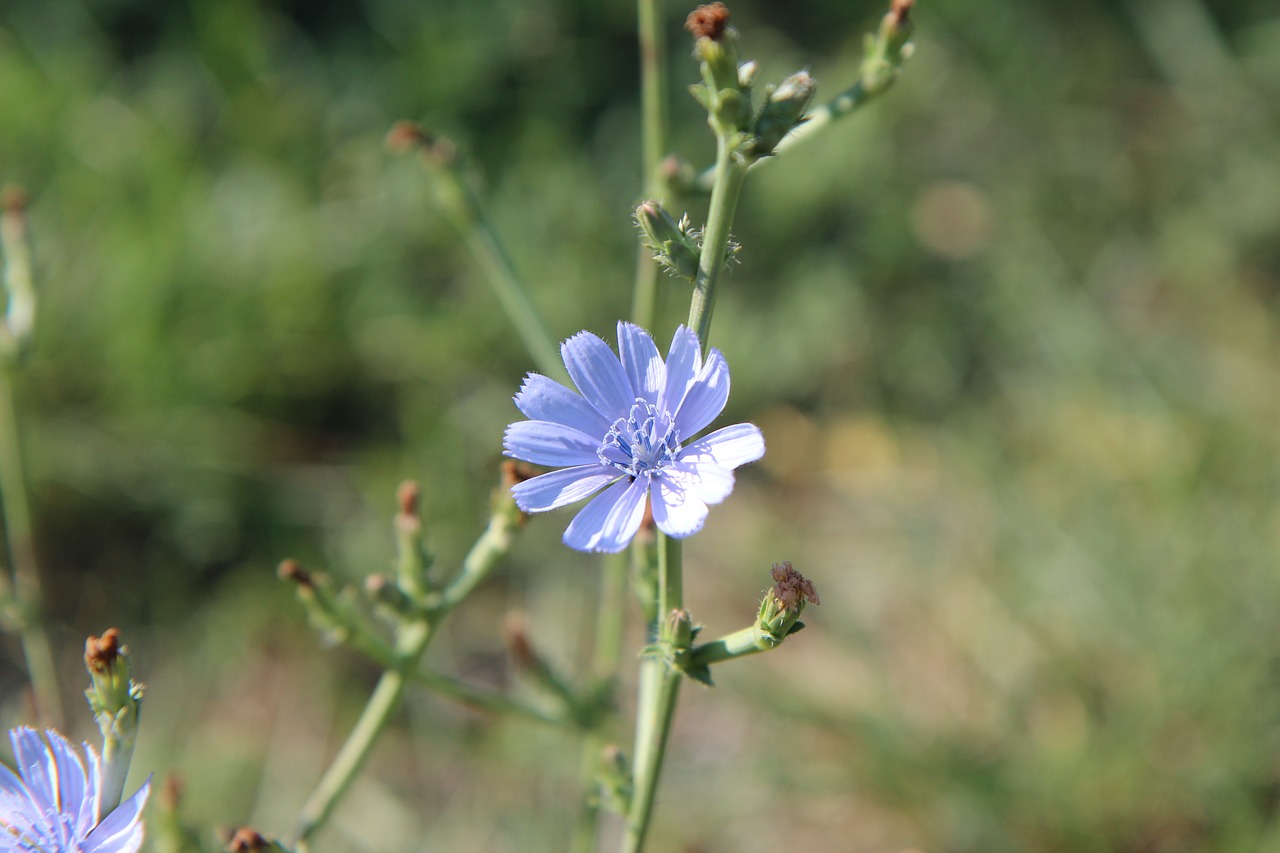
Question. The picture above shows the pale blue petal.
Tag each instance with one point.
(706, 399)
(10, 783)
(642, 361)
(702, 476)
(93, 797)
(36, 764)
(547, 443)
(558, 488)
(543, 399)
(728, 447)
(677, 511)
(684, 361)
(610, 521)
(122, 831)
(598, 374)
(72, 784)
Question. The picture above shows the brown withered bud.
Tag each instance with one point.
(291, 570)
(407, 136)
(246, 840)
(13, 199)
(899, 11)
(407, 497)
(792, 588)
(708, 21)
(516, 472)
(100, 653)
(515, 634)
(171, 793)
(646, 521)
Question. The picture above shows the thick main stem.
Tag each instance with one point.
(659, 690)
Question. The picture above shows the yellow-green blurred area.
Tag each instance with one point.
(1012, 333)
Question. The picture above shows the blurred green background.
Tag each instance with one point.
(1012, 334)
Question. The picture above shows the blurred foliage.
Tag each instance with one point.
(1013, 335)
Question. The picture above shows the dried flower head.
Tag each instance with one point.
(708, 21)
(793, 588)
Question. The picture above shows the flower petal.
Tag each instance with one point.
(702, 476)
(706, 398)
(36, 764)
(547, 443)
(73, 784)
(684, 362)
(543, 399)
(642, 361)
(729, 447)
(558, 488)
(599, 375)
(677, 510)
(610, 521)
(122, 830)
(10, 784)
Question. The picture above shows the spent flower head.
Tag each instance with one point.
(782, 605)
(627, 432)
(53, 804)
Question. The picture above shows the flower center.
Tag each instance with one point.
(641, 444)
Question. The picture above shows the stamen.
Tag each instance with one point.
(641, 444)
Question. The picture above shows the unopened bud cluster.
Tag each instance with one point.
(725, 90)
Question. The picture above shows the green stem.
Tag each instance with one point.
(384, 702)
(24, 594)
(731, 174)
(483, 699)
(748, 641)
(117, 754)
(464, 208)
(653, 138)
(606, 657)
(656, 705)
(490, 254)
(492, 546)
(411, 643)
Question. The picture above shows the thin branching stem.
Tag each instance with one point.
(24, 592)
(412, 641)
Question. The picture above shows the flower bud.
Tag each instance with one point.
(783, 111)
(615, 780)
(116, 701)
(19, 290)
(675, 244)
(680, 630)
(113, 695)
(414, 559)
(722, 92)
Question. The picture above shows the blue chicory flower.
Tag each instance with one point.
(625, 433)
(54, 805)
